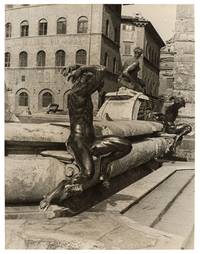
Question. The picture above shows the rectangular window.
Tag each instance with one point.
(170, 82)
(82, 28)
(24, 31)
(23, 78)
(124, 27)
(43, 29)
(61, 28)
(127, 49)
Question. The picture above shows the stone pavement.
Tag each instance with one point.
(97, 230)
(108, 225)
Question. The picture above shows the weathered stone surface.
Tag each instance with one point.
(189, 96)
(188, 111)
(182, 47)
(185, 11)
(104, 231)
(125, 198)
(51, 133)
(156, 203)
(181, 36)
(28, 179)
(185, 25)
(184, 68)
(184, 82)
(179, 219)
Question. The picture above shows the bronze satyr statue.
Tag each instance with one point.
(82, 142)
(129, 76)
(168, 120)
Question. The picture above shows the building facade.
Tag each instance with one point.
(41, 39)
(136, 31)
(184, 60)
(167, 69)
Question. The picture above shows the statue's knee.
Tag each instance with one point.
(88, 173)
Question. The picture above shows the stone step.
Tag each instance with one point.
(127, 197)
(152, 208)
(187, 148)
(179, 219)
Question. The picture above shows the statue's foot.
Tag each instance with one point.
(75, 188)
(106, 184)
(44, 204)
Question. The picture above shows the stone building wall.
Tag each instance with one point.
(36, 80)
(167, 69)
(184, 60)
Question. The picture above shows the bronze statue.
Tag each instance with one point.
(129, 76)
(82, 142)
(168, 120)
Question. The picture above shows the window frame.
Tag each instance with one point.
(106, 59)
(45, 103)
(57, 58)
(61, 23)
(82, 24)
(23, 59)
(8, 30)
(107, 32)
(127, 51)
(81, 57)
(43, 27)
(41, 58)
(24, 28)
(23, 98)
(7, 56)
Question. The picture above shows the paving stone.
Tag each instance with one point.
(87, 231)
(152, 207)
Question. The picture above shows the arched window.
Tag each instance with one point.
(60, 58)
(114, 65)
(8, 30)
(107, 28)
(7, 59)
(81, 56)
(24, 28)
(42, 27)
(106, 59)
(23, 59)
(61, 26)
(41, 58)
(82, 25)
(47, 99)
(23, 99)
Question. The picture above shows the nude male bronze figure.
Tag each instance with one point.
(82, 142)
(129, 76)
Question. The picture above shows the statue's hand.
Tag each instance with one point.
(69, 69)
(75, 75)
(44, 204)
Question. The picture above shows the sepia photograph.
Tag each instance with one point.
(99, 126)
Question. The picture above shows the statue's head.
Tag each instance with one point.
(138, 51)
(178, 101)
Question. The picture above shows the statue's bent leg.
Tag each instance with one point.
(180, 130)
(55, 193)
(82, 156)
(110, 148)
